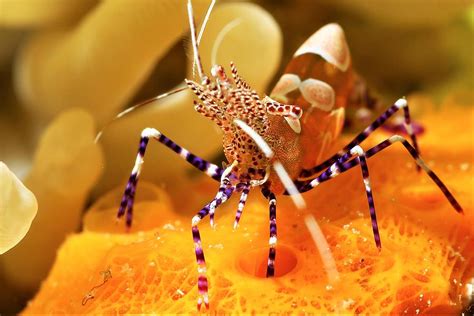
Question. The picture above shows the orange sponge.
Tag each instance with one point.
(424, 266)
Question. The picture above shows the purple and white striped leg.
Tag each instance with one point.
(337, 168)
(304, 186)
(359, 152)
(419, 161)
(126, 205)
(243, 198)
(201, 262)
(220, 198)
(344, 153)
(341, 166)
(273, 232)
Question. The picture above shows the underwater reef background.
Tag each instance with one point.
(68, 67)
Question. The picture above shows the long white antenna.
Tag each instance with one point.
(323, 248)
(289, 185)
(206, 19)
(280, 170)
(203, 27)
(261, 143)
(192, 25)
(180, 88)
(133, 108)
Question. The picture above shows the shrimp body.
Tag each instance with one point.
(319, 79)
(300, 120)
(224, 100)
(278, 142)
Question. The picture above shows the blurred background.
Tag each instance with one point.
(68, 67)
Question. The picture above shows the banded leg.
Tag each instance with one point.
(201, 262)
(273, 232)
(243, 198)
(359, 152)
(220, 198)
(304, 186)
(128, 198)
(341, 166)
(337, 168)
(344, 153)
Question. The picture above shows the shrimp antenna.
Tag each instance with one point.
(280, 170)
(192, 26)
(201, 31)
(136, 106)
(180, 87)
(206, 19)
(324, 251)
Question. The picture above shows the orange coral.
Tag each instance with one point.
(423, 267)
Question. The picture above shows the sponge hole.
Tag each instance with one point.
(254, 261)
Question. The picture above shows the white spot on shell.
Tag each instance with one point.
(318, 93)
(286, 84)
(294, 124)
(329, 42)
